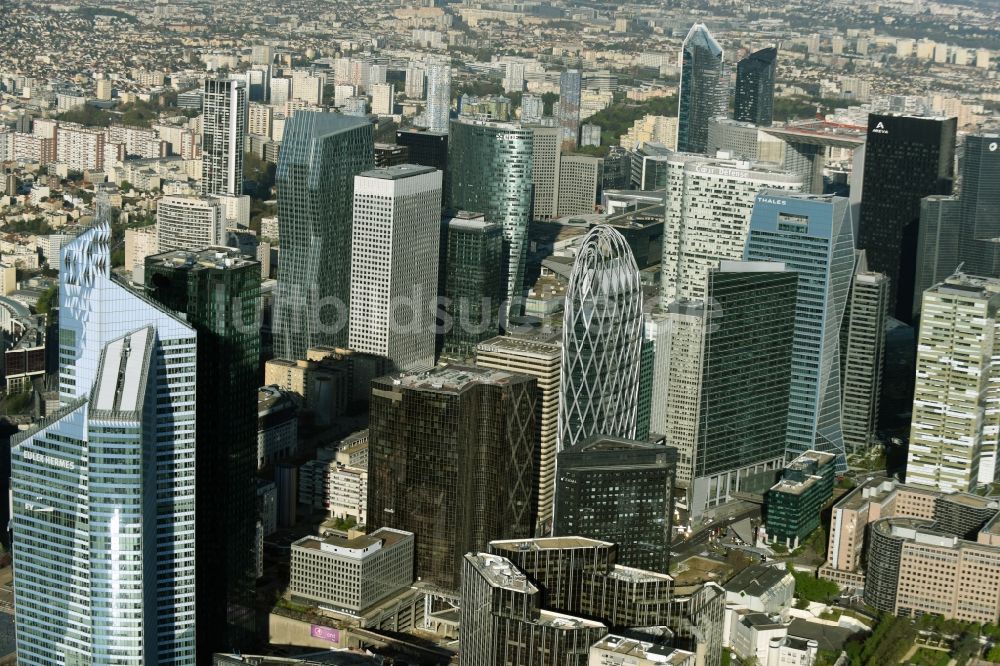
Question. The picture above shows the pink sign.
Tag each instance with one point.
(324, 633)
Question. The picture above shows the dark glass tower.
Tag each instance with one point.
(703, 89)
(570, 83)
(451, 459)
(473, 282)
(426, 148)
(755, 87)
(980, 205)
(218, 289)
(621, 491)
(320, 155)
(906, 159)
(490, 172)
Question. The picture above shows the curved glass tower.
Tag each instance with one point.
(703, 94)
(602, 341)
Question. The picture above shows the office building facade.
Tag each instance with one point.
(88, 518)
(439, 96)
(953, 439)
(320, 155)
(394, 264)
(906, 159)
(708, 210)
(473, 282)
(621, 491)
(189, 223)
(490, 171)
(218, 292)
(223, 133)
(579, 184)
(426, 148)
(570, 84)
(538, 359)
(602, 341)
(755, 87)
(451, 456)
(979, 204)
(939, 239)
(703, 93)
(545, 169)
(793, 505)
(863, 351)
(813, 236)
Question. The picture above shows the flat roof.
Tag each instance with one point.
(454, 378)
(548, 543)
(520, 346)
(215, 257)
(385, 536)
(501, 572)
(397, 172)
(629, 647)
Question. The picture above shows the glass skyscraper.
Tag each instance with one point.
(813, 236)
(218, 291)
(755, 87)
(570, 84)
(619, 490)
(473, 285)
(320, 155)
(703, 93)
(490, 172)
(906, 159)
(103, 493)
(451, 459)
(980, 201)
(602, 341)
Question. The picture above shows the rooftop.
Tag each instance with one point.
(628, 647)
(756, 580)
(548, 543)
(520, 346)
(454, 378)
(215, 257)
(397, 172)
(501, 572)
(358, 546)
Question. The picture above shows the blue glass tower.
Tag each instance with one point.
(103, 493)
(813, 236)
(703, 93)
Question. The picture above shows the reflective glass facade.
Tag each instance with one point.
(602, 341)
(703, 93)
(473, 283)
(104, 493)
(490, 171)
(451, 459)
(755, 87)
(218, 290)
(320, 155)
(812, 235)
(906, 159)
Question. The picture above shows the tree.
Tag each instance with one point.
(47, 300)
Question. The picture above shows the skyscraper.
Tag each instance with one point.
(621, 491)
(438, 96)
(953, 436)
(703, 93)
(218, 291)
(545, 161)
(490, 171)
(980, 201)
(579, 184)
(602, 341)
(863, 351)
(939, 243)
(538, 359)
(189, 223)
(906, 159)
(570, 83)
(813, 236)
(707, 216)
(103, 493)
(426, 148)
(320, 155)
(223, 131)
(755, 87)
(451, 456)
(394, 264)
(473, 282)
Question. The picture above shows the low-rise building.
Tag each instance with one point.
(613, 650)
(350, 575)
(762, 588)
(793, 505)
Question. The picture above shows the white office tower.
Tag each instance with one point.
(223, 132)
(438, 96)
(602, 341)
(189, 223)
(394, 264)
(708, 208)
(383, 99)
(956, 399)
(103, 491)
(545, 159)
